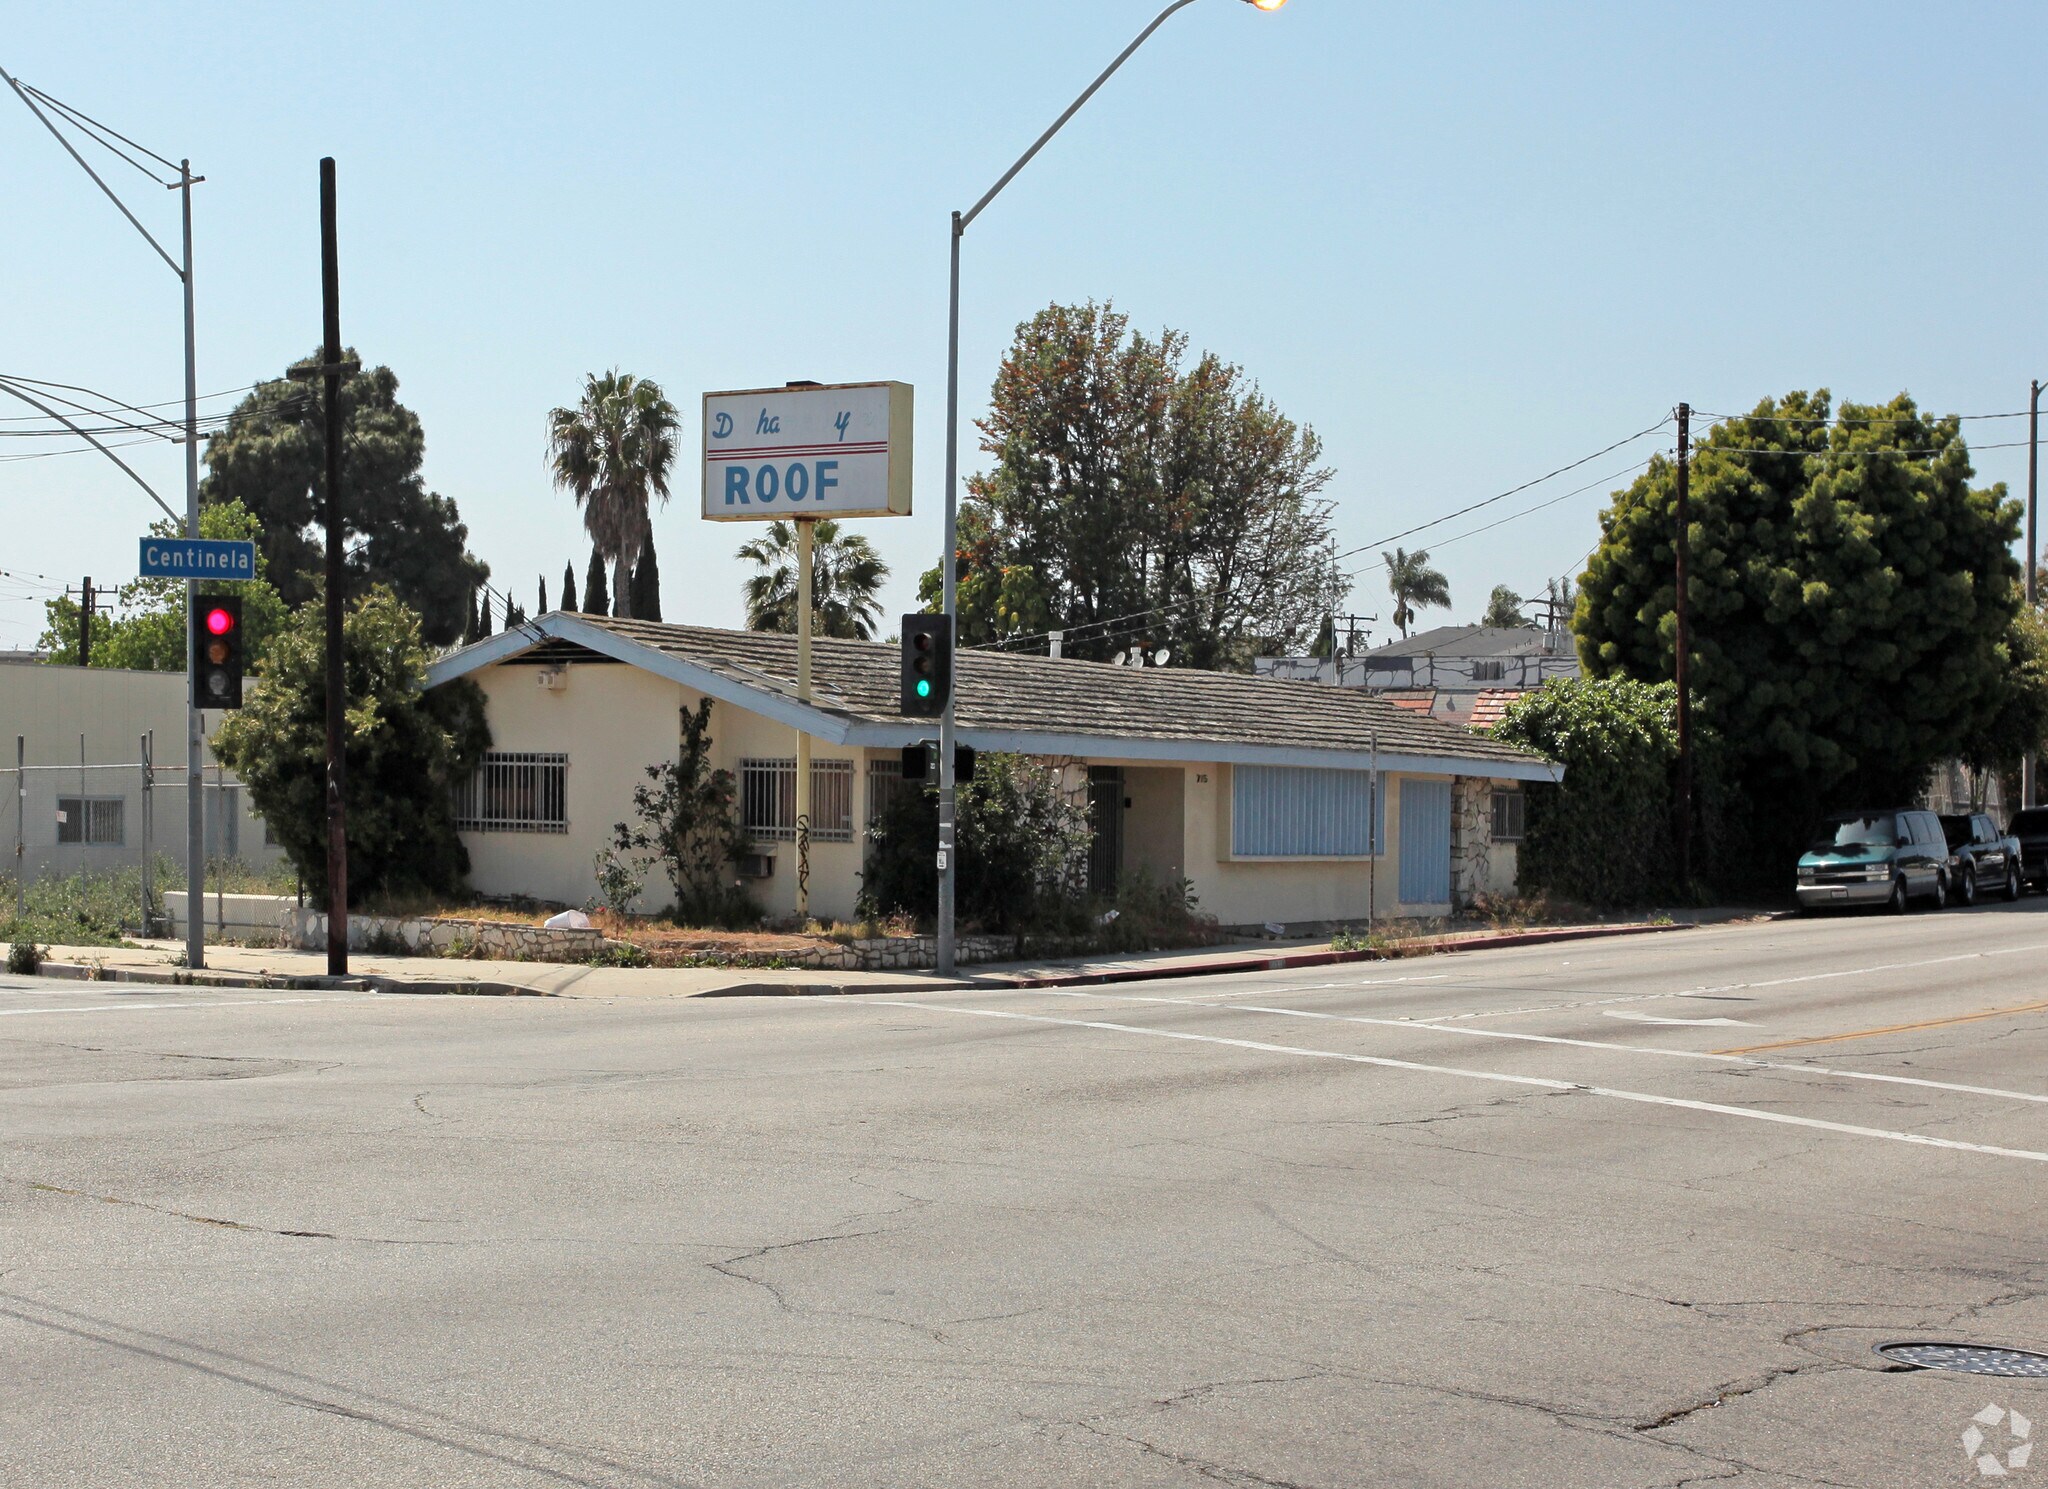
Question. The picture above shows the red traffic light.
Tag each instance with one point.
(219, 621)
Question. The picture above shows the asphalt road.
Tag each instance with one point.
(1478, 1221)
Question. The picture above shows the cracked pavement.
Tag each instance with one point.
(1441, 1225)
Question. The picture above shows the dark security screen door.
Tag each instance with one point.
(1106, 817)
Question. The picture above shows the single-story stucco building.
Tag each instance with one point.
(1259, 792)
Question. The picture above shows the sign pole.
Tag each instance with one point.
(804, 535)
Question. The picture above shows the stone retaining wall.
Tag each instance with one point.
(487, 940)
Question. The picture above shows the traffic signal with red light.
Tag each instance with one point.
(927, 680)
(217, 643)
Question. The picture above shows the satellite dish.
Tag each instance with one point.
(1162, 657)
(1123, 659)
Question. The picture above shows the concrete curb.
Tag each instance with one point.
(281, 982)
(1285, 960)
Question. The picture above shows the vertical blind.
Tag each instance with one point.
(1287, 811)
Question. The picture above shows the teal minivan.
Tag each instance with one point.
(1885, 858)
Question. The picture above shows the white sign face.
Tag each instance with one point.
(777, 453)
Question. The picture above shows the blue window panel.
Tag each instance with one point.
(1425, 842)
(1286, 811)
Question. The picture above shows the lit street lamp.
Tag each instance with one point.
(948, 859)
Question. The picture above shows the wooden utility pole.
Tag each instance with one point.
(337, 681)
(1684, 645)
(86, 596)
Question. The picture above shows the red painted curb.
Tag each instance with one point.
(1286, 960)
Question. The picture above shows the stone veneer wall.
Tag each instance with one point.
(494, 940)
(1471, 840)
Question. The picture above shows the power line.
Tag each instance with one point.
(97, 129)
(1140, 615)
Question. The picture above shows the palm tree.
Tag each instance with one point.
(612, 452)
(1412, 582)
(1504, 609)
(846, 574)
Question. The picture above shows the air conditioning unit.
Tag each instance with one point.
(552, 679)
(757, 865)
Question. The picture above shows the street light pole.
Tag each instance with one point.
(2030, 767)
(195, 800)
(948, 795)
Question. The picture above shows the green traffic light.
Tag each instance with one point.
(924, 687)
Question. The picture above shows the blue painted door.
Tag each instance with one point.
(1425, 842)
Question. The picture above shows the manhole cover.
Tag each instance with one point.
(1968, 1359)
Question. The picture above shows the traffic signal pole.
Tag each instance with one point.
(948, 563)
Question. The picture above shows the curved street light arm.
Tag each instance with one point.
(965, 219)
(8, 387)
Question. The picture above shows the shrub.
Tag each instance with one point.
(1605, 835)
(620, 879)
(1023, 843)
(690, 824)
(25, 958)
(408, 749)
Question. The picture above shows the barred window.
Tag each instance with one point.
(1507, 815)
(515, 792)
(768, 800)
(1488, 671)
(885, 786)
(92, 819)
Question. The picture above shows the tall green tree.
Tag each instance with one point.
(1413, 583)
(147, 629)
(647, 585)
(271, 457)
(597, 599)
(1853, 599)
(613, 453)
(569, 587)
(1132, 489)
(407, 750)
(1504, 608)
(846, 581)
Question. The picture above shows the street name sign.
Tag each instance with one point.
(834, 451)
(197, 558)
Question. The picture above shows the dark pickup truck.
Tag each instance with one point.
(2030, 827)
(1986, 860)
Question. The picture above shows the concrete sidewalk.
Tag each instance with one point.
(157, 962)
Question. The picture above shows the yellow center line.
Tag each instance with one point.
(1961, 1018)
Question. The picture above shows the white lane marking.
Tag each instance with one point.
(189, 1007)
(1651, 1018)
(1586, 1044)
(1784, 1119)
(1729, 987)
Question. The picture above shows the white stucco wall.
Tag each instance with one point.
(613, 721)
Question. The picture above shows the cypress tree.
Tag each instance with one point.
(543, 596)
(647, 585)
(483, 615)
(472, 631)
(597, 599)
(569, 587)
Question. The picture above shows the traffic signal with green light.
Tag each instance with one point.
(927, 665)
(217, 642)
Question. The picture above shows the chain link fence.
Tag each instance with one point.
(94, 843)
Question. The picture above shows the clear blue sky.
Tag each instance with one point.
(1468, 243)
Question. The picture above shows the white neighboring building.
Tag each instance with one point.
(82, 732)
(1443, 672)
(1259, 792)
